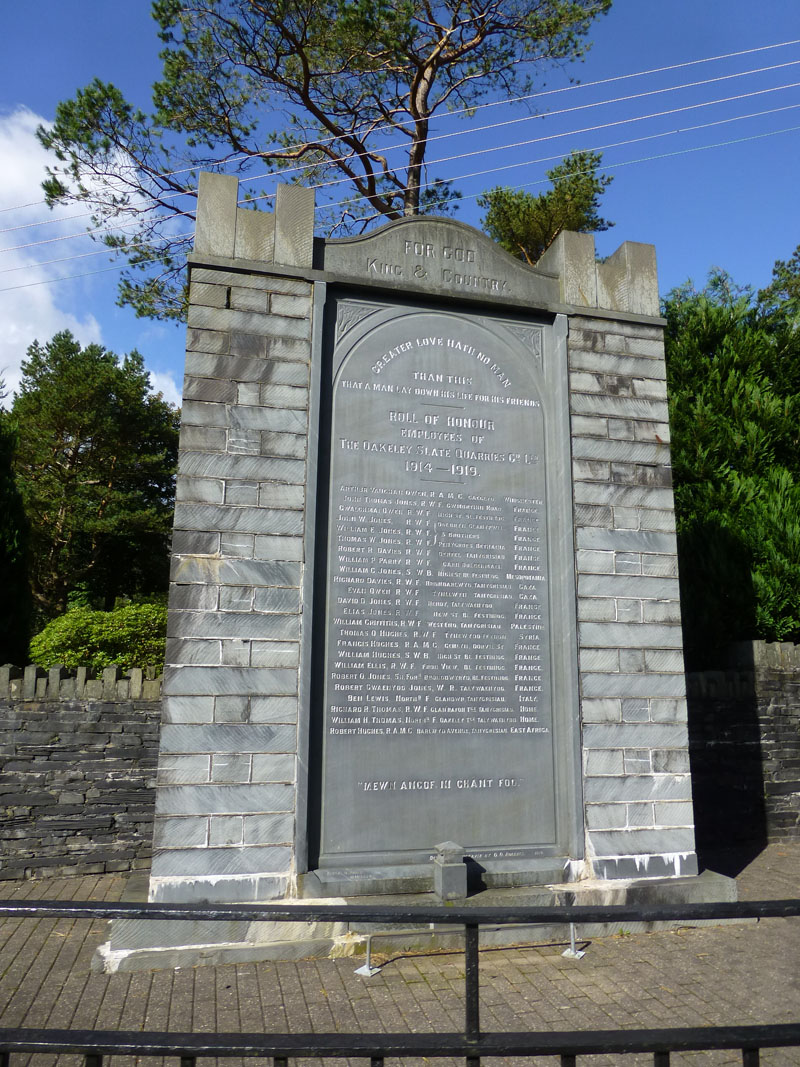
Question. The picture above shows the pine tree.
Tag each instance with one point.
(324, 90)
(526, 225)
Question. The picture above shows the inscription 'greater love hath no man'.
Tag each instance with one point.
(437, 660)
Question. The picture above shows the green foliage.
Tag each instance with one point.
(733, 368)
(94, 462)
(15, 602)
(526, 225)
(343, 83)
(782, 295)
(130, 636)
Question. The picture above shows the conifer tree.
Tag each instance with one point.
(94, 461)
(733, 368)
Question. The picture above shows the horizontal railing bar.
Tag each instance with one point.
(458, 916)
(581, 1043)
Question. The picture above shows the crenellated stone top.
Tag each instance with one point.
(81, 683)
(437, 257)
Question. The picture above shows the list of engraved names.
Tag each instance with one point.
(438, 626)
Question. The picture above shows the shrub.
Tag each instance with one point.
(130, 636)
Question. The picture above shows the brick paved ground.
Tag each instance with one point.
(702, 976)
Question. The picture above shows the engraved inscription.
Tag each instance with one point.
(439, 628)
(442, 257)
(453, 266)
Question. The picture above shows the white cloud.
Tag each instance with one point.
(23, 162)
(165, 384)
(28, 311)
(37, 299)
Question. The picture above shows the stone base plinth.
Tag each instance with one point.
(139, 944)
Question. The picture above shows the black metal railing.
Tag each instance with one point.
(471, 1044)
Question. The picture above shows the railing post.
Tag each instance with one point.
(661, 1059)
(751, 1057)
(93, 1059)
(280, 1061)
(472, 1020)
(568, 1059)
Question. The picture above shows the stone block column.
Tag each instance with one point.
(637, 787)
(227, 777)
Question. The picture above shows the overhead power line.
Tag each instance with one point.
(678, 152)
(64, 278)
(489, 170)
(78, 255)
(459, 111)
(608, 166)
(569, 133)
(504, 167)
(605, 148)
(525, 185)
(472, 130)
(159, 220)
(462, 132)
(88, 233)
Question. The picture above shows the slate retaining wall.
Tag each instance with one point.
(744, 744)
(78, 757)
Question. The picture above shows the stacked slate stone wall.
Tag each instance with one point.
(227, 780)
(637, 787)
(632, 684)
(744, 728)
(78, 757)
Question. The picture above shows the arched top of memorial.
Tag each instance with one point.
(439, 257)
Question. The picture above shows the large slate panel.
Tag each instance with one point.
(450, 708)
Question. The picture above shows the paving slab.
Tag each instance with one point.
(692, 976)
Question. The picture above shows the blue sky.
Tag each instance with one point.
(693, 174)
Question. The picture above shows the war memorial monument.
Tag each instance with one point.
(424, 581)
